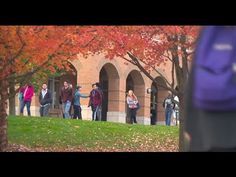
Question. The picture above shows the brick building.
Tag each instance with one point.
(116, 78)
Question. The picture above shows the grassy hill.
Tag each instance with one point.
(54, 134)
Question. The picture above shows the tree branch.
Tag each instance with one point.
(130, 61)
(161, 75)
(148, 75)
(172, 75)
(168, 57)
(85, 45)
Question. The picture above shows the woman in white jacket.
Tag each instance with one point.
(132, 102)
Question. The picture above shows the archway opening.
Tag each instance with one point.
(158, 95)
(135, 82)
(109, 82)
(56, 83)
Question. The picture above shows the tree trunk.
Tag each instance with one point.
(181, 122)
(12, 103)
(3, 115)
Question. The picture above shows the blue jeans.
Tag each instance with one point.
(66, 107)
(168, 113)
(44, 110)
(27, 103)
(133, 113)
(77, 112)
(93, 110)
(21, 104)
(97, 113)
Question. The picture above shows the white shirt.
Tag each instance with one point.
(176, 99)
(25, 91)
(44, 92)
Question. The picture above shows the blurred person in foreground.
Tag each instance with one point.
(210, 117)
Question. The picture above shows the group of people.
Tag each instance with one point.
(25, 95)
(68, 99)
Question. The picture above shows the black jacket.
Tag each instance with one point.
(47, 98)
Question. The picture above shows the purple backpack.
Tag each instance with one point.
(215, 70)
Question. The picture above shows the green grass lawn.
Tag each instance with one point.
(54, 134)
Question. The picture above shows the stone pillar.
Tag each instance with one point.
(86, 76)
(162, 94)
(143, 114)
(116, 101)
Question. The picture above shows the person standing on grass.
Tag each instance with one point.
(95, 102)
(72, 101)
(169, 105)
(45, 99)
(132, 102)
(66, 99)
(21, 96)
(99, 112)
(28, 93)
(77, 107)
(91, 100)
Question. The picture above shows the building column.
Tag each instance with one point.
(116, 101)
(162, 94)
(143, 114)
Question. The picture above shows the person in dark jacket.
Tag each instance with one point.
(66, 99)
(95, 102)
(45, 99)
(91, 100)
(99, 112)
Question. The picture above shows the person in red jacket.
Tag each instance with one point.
(28, 92)
(66, 99)
(96, 102)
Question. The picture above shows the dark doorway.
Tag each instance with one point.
(153, 102)
(103, 80)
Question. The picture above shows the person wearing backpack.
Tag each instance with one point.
(210, 116)
(21, 96)
(168, 104)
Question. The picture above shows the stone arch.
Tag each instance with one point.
(158, 95)
(135, 82)
(109, 80)
(56, 83)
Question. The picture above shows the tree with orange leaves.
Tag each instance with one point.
(27, 50)
(149, 47)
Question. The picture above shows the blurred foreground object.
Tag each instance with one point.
(210, 123)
